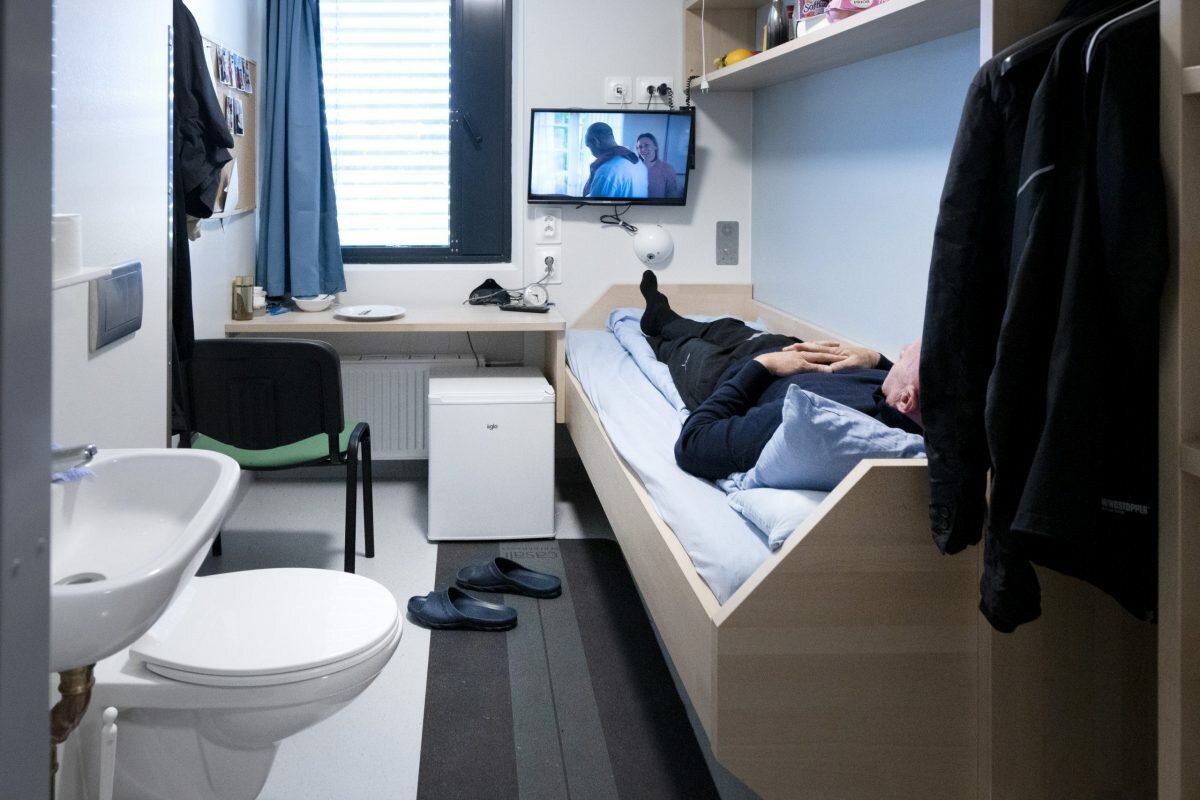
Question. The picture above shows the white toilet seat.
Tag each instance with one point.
(269, 627)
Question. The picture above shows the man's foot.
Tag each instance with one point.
(658, 309)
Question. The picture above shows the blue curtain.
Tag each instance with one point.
(299, 251)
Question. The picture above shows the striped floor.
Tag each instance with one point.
(575, 702)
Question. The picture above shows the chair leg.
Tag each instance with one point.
(368, 503)
(351, 497)
(216, 545)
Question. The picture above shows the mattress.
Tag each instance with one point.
(642, 416)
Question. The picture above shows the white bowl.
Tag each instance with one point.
(318, 302)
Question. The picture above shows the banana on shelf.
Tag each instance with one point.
(733, 57)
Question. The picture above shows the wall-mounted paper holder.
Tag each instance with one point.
(83, 276)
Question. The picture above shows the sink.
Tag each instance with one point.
(124, 541)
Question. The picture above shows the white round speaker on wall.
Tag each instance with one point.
(653, 245)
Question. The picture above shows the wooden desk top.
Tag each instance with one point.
(427, 319)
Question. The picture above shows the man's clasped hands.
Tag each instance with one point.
(817, 357)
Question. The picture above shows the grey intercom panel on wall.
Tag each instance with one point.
(727, 242)
(115, 305)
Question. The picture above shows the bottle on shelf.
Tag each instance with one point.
(777, 24)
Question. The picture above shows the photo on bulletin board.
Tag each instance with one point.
(224, 66)
(239, 117)
(237, 188)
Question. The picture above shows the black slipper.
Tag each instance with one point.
(505, 575)
(453, 609)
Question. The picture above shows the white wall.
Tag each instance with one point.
(226, 246)
(563, 52)
(110, 165)
(848, 172)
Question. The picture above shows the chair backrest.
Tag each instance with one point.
(261, 393)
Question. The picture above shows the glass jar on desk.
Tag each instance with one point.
(243, 297)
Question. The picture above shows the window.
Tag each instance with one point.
(418, 103)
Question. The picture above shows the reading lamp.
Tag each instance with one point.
(653, 245)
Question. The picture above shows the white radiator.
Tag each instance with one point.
(391, 394)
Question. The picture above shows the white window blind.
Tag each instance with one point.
(387, 100)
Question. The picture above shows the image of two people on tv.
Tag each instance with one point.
(610, 155)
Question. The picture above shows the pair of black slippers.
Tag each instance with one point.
(454, 609)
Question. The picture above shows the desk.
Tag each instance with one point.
(432, 319)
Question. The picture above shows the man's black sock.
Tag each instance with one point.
(658, 309)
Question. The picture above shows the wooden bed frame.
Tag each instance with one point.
(854, 663)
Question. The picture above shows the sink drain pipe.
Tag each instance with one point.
(75, 687)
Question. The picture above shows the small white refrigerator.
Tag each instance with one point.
(491, 454)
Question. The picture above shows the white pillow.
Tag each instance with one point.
(775, 512)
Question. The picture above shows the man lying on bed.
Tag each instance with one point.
(734, 378)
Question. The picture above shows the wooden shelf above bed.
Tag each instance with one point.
(895, 25)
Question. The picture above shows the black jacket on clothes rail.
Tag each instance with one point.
(1070, 437)
(201, 139)
(201, 142)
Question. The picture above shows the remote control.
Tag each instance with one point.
(519, 307)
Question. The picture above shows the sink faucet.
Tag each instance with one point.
(63, 460)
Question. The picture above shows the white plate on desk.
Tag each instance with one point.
(368, 313)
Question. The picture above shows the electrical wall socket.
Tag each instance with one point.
(548, 226)
(645, 83)
(540, 255)
(617, 90)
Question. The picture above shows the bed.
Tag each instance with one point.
(852, 662)
(844, 663)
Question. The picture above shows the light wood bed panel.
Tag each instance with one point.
(848, 663)
(868, 638)
(845, 665)
(681, 603)
(854, 662)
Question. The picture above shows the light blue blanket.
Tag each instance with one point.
(726, 536)
(776, 513)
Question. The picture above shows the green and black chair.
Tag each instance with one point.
(276, 404)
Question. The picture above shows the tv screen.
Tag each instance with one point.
(609, 157)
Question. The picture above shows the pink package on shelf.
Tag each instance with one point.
(840, 9)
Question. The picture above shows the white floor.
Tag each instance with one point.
(371, 749)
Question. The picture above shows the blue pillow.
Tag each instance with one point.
(820, 441)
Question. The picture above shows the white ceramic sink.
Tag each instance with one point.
(124, 541)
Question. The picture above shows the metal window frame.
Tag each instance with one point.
(481, 69)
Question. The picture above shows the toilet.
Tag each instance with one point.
(238, 662)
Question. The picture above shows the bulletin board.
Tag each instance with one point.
(235, 79)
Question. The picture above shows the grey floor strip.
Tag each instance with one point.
(585, 764)
(540, 771)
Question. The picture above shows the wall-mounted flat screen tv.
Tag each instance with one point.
(610, 157)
